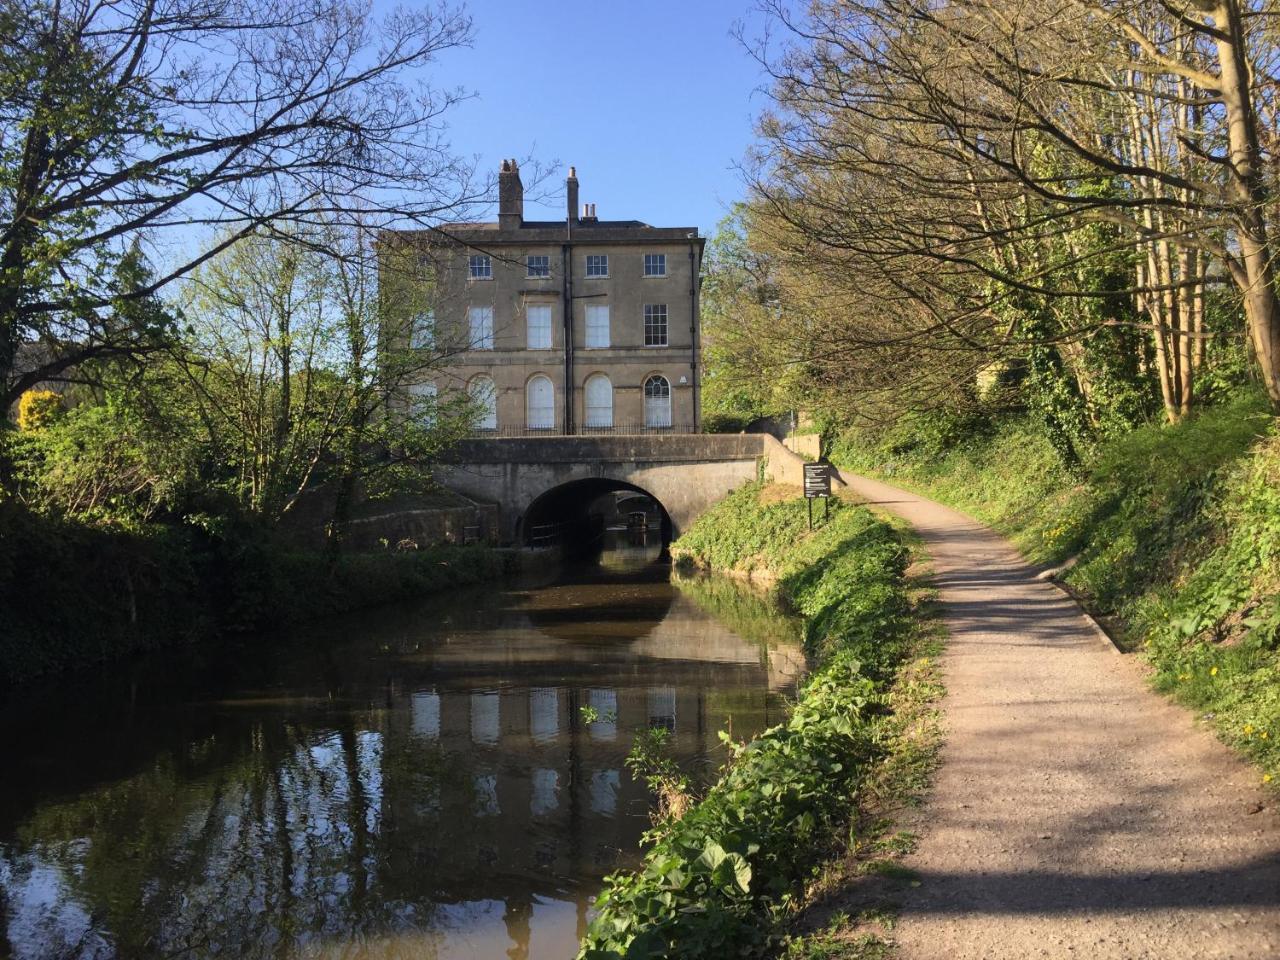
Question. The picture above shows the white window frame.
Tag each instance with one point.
(657, 406)
(652, 311)
(480, 266)
(658, 263)
(597, 326)
(480, 328)
(483, 390)
(544, 268)
(601, 261)
(540, 417)
(597, 415)
(542, 342)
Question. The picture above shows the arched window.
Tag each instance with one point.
(599, 401)
(540, 404)
(485, 396)
(657, 402)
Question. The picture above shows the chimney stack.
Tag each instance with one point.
(571, 189)
(510, 196)
(588, 212)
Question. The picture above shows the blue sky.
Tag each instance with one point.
(653, 102)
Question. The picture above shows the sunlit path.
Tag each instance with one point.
(1075, 813)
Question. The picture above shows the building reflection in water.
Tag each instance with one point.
(417, 782)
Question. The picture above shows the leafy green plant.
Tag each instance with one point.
(715, 878)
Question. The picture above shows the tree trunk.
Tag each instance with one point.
(1255, 273)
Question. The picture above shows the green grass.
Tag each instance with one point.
(722, 879)
(1173, 535)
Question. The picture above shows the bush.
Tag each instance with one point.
(713, 878)
(37, 409)
(73, 594)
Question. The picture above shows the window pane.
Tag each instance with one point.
(422, 332)
(485, 395)
(540, 404)
(481, 324)
(657, 402)
(599, 401)
(655, 324)
(597, 325)
(481, 266)
(538, 320)
(539, 266)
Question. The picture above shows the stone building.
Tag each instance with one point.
(575, 326)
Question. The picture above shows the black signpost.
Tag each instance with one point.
(817, 483)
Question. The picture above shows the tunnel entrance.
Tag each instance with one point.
(587, 517)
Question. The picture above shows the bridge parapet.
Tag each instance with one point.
(649, 448)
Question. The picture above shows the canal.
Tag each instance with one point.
(419, 781)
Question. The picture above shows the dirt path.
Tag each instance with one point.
(1075, 813)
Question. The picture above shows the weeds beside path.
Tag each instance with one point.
(1076, 813)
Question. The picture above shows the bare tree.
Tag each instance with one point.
(299, 370)
(156, 117)
(945, 157)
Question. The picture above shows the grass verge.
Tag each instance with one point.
(726, 877)
(1170, 535)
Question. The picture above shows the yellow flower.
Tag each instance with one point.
(1213, 672)
(1248, 728)
(1266, 778)
(1264, 735)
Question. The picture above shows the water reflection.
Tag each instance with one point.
(416, 782)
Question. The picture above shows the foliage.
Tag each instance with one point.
(740, 534)
(72, 594)
(739, 298)
(650, 760)
(105, 462)
(37, 409)
(714, 876)
(292, 362)
(125, 121)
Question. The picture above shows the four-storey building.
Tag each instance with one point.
(575, 326)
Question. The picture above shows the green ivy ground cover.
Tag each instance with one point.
(715, 881)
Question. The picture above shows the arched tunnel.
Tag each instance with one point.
(582, 514)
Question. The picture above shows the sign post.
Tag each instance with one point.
(817, 484)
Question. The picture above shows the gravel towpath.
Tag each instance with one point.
(1075, 812)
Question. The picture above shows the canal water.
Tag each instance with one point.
(417, 781)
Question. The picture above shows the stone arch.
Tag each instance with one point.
(567, 504)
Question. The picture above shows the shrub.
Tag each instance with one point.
(713, 878)
(38, 409)
(72, 594)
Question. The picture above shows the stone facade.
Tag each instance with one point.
(565, 327)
